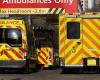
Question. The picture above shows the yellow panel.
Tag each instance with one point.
(4, 57)
(79, 58)
(91, 38)
(72, 42)
(73, 54)
(93, 26)
(91, 62)
(90, 44)
(91, 33)
(13, 23)
(40, 60)
(13, 55)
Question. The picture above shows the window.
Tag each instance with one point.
(73, 30)
(13, 37)
(43, 43)
(1, 35)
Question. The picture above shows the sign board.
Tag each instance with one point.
(70, 6)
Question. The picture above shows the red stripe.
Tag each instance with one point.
(96, 53)
(91, 39)
(74, 57)
(1, 53)
(62, 21)
(62, 40)
(87, 54)
(43, 59)
(68, 54)
(62, 30)
(43, 53)
(80, 61)
(93, 31)
(16, 53)
(7, 54)
(39, 62)
(51, 56)
(89, 47)
(65, 47)
(23, 50)
(62, 50)
(68, 44)
(95, 24)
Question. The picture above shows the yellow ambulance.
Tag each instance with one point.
(79, 40)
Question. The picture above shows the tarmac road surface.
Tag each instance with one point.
(54, 74)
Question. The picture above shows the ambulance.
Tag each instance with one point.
(16, 49)
(44, 47)
(79, 41)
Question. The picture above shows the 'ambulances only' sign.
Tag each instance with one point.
(71, 6)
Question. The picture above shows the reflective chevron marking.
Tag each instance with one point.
(56, 10)
(8, 55)
(45, 56)
(91, 37)
(13, 53)
(50, 56)
(90, 40)
(42, 60)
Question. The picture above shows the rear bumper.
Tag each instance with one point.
(13, 64)
(72, 65)
(86, 62)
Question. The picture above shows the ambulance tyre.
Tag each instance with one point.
(1, 70)
(39, 67)
(70, 70)
(66, 70)
(98, 70)
(63, 70)
(27, 68)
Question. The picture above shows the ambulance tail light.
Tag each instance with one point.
(25, 55)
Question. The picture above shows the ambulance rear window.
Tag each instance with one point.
(13, 37)
(43, 43)
(73, 30)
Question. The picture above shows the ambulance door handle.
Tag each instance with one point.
(78, 42)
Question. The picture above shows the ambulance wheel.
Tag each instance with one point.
(27, 67)
(63, 70)
(40, 67)
(27, 70)
(98, 70)
(2, 70)
(70, 70)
